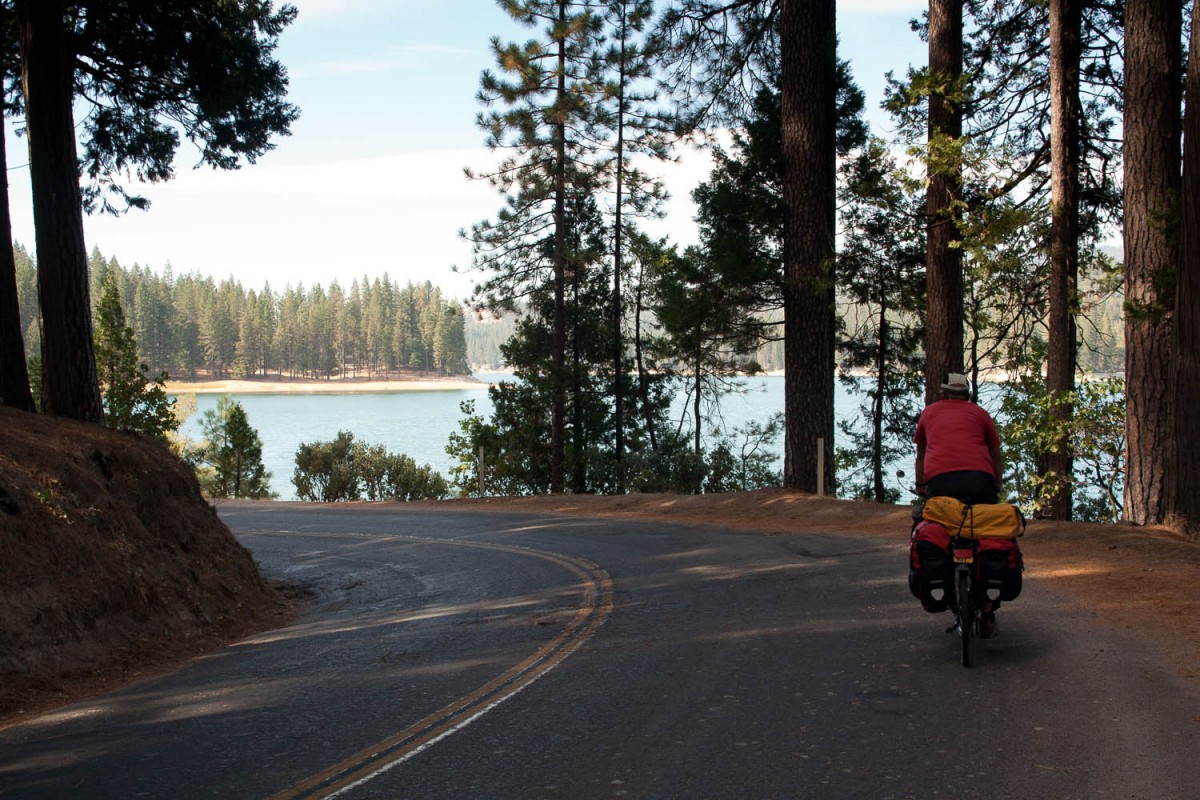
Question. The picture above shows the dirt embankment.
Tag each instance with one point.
(111, 563)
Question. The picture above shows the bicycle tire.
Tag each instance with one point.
(966, 615)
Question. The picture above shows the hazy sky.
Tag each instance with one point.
(371, 180)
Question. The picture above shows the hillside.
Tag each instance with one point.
(113, 563)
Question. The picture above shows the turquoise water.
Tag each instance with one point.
(419, 424)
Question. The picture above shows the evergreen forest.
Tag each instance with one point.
(191, 326)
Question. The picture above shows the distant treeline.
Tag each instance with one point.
(1101, 351)
(189, 325)
(1101, 333)
(485, 334)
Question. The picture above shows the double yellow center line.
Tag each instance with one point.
(379, 758)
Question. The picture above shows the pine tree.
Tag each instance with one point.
(547, 91)
(881, 267)
(132, 400)
(943, 268)
(741, 210)
(355, 343)
(337, 310)
(248, 353)
(287, 334)
(14, 372)
(721, 54)
(450, 347)
(1184, 497)
(378, 325)
(219, 329)
(701, 333)
(143, 68)
(636, 130)
(153, 312)
(27, 293)
(1066, 20)
(518, 435)
(230, 458)
(1152, 180)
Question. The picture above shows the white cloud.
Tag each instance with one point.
(309, 224)
(320, 222)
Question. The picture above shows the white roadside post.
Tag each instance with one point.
(821, 466)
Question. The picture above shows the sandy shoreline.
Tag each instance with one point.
(321, 387)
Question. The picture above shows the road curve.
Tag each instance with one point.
(488, 654)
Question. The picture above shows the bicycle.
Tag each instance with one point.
(967, 617)
(972, 584)
(972, 579)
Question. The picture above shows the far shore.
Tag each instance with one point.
(332, 386)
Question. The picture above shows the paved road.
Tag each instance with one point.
(502, 655)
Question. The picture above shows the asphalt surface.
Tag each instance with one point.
(503, 655)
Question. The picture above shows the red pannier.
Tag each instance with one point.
(999, 564)
(930, 566)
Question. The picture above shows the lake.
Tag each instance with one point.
(419, 423)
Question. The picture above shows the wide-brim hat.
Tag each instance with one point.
(957, 383)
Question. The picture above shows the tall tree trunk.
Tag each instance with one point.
(1066, 19)
(943, 261)
(1184, 498)
(14, 373)
(808, 42)
(69, 384)
(1152, 180)
(618, 265)
(881, 352)
(698, 450)
(579, 436)
(558, 357)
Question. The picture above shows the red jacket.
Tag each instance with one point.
(958, 435)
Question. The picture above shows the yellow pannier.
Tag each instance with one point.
(980, 521)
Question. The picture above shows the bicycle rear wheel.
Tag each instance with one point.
(966, 614)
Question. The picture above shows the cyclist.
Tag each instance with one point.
(958, 455)
(958, 449)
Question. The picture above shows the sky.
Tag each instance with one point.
(371, 179)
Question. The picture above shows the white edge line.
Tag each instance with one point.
(459, 726)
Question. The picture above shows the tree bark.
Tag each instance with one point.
(1066, 19)
(69, 383)
(881, 359)
(1152, 180)
(558, 379)
(618, 266)
(1184, 508)
(808, 43)
(943, 262)
(579, 433)
(14, 373)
